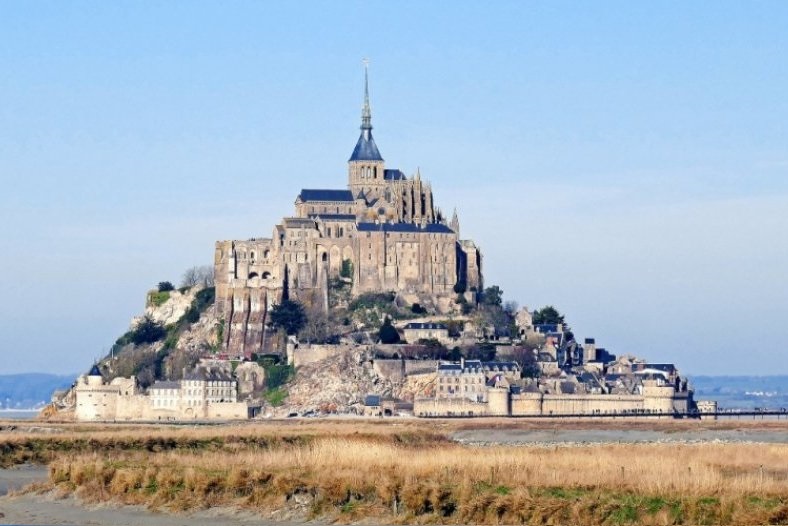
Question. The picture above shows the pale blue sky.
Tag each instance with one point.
(624, 161)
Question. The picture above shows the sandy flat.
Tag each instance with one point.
(45, 509)
(606, 436)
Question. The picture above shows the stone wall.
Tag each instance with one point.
(449, 407)
(305, 353)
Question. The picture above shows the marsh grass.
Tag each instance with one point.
(361, 476)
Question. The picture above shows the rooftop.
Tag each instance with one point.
(429, 228)
(333, 196)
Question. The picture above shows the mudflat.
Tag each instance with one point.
(46, 509)
(623, 436)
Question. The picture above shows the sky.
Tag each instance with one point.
(626, 162)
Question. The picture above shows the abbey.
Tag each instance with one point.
(383, 232)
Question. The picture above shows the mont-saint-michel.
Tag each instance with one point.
(365, 301)
(493, 276)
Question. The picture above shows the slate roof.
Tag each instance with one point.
(500, 365)
(372, 400)
(425, 326)
(298, 222)
(342, 196)
(366, 149)
(208, 375)
(429, 228)
(94, 371)
(449, 367)
(333, 217)
(393, 175)
(165, 384)
(546, 327)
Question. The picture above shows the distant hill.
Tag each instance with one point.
(30, 390)
(732, 392)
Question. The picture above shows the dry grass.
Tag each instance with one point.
(349, 476)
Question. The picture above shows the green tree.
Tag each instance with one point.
(288, 315)
(165, 286)
(147, 331)
(347, 269)
(547, 315)
(388, 334)
(492, 295)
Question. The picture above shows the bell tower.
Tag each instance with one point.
(366, 166)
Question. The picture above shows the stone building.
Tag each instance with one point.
(206, 393)
(415, 331)
(384, 228)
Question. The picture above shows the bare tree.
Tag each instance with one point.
(202, 275)
(190, 277)
(205, 274)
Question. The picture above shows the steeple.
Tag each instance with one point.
(366, 149)
(366, 112)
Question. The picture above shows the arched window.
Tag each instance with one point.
(266, 275)
(252, 275)
(251, 255)
(265, 254)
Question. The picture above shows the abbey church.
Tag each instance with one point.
(384, 230)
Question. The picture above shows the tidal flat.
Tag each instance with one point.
(406, 471)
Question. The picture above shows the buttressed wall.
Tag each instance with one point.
(385, 227)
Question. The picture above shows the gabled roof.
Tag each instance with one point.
(366, 149)
(429, 228)
(338, 196)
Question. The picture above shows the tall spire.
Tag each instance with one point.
(366, 112)
(366, 150)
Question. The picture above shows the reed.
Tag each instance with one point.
(349, 477)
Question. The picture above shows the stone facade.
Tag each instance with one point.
(385, 230)
(414, 332)
(473, 388)
(204, 394)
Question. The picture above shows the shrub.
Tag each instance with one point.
(388, 334)
(277, 375)
(165, 286)
(288, 315)
(416, 308)
(157, 299)
(147, 331)
(276, 397)
(347, 269)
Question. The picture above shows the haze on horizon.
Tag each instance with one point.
(625, 162)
